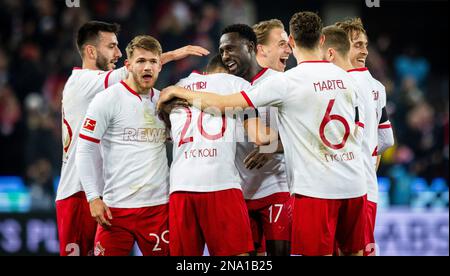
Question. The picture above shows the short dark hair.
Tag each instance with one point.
(244, 31)
(215, 63)
(306, 29)
(337, 39)
(89, 32)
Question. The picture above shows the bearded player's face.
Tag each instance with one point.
(145, 66)
(108, 52)
(236, 53)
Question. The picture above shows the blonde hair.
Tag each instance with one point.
(352, 26)
(263, 28)
(145, 42)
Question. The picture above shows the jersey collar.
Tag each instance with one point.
(257, 76)
(131, 90)
(198, 72)
(358, 69)
(314, 61)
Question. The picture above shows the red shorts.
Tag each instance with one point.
(369, 235)
(148, 226)
(76, 227)
(319, 224)
(271, 219)
(219, 219)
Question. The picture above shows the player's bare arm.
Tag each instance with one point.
(378, 162)
(183, 52)
(261, 135)
(258, 133)
(202, 100)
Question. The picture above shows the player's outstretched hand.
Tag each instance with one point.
(183, 52)
(257, 160)
(98, 211)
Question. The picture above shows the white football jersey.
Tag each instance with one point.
(132, 139)
(369, 95)
(385, 131)
(204, 147)
(270, 179)
(316, 107)
(80, 89)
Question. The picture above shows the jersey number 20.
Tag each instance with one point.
(187, 124)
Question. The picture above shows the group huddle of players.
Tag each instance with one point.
(265, 161)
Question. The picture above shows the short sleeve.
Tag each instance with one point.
(240, 85)
(273, 91)
(115, 76)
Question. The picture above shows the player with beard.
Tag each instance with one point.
(98, 46)
(134, 203)
(265, 189)
(203, 175)
(318, 112)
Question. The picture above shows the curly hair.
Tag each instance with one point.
(306, 28)
(244, 31)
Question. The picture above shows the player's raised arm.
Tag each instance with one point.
(183, 52)
(115, 76)
(202, 100)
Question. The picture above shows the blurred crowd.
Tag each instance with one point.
(37, 53)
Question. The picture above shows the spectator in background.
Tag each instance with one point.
(238, 11)
(209, 26)
(37, 52)
(28, 72)
(425, 137)
(11, 135)
(40, 181)
(42, 149)
(4, 68)
(10, 112)
(411, 64)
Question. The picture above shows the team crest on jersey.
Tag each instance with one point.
(89, 125)
(99, 250)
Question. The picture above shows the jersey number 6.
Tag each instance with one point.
(327, 119)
